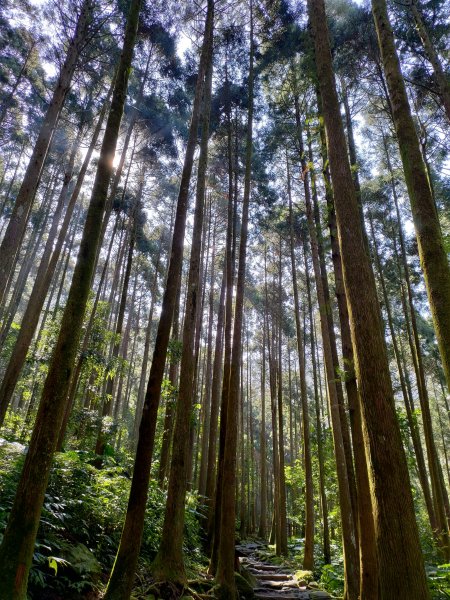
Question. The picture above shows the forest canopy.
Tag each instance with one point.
(224, 299)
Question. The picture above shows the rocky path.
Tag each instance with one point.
(274, 582)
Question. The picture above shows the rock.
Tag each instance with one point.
(244, 588)
(319, 595)
(313, 584)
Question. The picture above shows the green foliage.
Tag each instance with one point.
(439, 582)
(174, 351)
(332, 578)
(82, 519)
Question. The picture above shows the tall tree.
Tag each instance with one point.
(121, 579)
(16, 550)
(433, 257)
(401, 568)
(169, 563)
(225, 566)
(14, 233)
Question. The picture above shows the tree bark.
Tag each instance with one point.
(401, 568)
(15, 231)
(121, 578)
(225, 566)
(433, 258)
(308, 556)
(16, 550)
(169, 563)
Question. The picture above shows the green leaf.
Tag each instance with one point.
(53, 564)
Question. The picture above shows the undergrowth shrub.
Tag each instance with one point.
(81, 522)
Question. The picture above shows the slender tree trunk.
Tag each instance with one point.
(169, 564)
(16, 550)
(121, 579)
(148, 335)
(262, 530)
(171, 401)
(215, 401)
(15, 231)
(432, 254)
(214, 518)
(401, 568)
(208, 382)
(275, 446)
(225, 566)
(308, 556)
(319, 430)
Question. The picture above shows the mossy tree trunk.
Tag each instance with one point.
(342, 450)
(367, 547)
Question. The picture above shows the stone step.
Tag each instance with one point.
(279, 585)
(263, 567)
(275, 577)
(281, 596)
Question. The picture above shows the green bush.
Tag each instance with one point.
(439, 582)
(82, 519)
(332, 579)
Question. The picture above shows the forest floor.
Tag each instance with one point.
(274, 581)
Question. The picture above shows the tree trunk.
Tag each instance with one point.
(15, 231)
(401, 568)
(262, 530)
(215, 398)
(366, 530)
(320, 456)
(308, 556)
(208, 383)
(169, 564)
(432, 254)
(171, 401)
(214, 518)
(415, 434)
(348, 515)
(225, 566)
(16, 550)
(122, 576)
